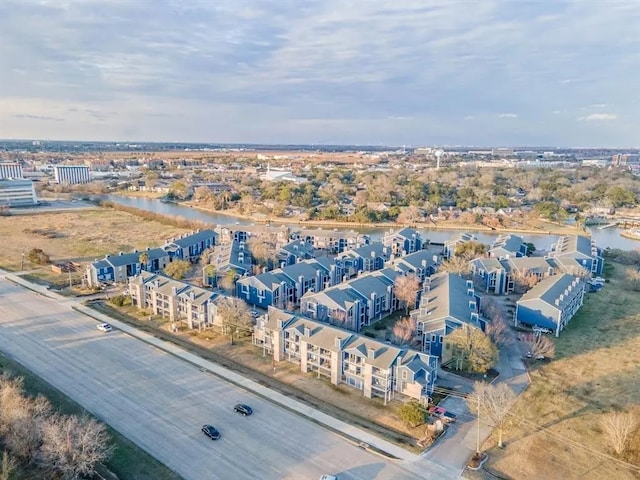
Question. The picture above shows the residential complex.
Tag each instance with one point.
(375, 368)
(10, 170)
(551, 303)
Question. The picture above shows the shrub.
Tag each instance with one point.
(118, 300)
(38, 257)
(412, 413)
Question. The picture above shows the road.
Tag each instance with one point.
(160, 402)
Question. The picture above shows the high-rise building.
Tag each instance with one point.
(10, 170)
(17, 193)
(71, 174)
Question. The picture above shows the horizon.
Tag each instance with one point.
(393, 72)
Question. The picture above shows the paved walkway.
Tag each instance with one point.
(356, 434)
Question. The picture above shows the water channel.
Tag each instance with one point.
(609, 237)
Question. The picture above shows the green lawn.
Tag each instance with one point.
(128, 461)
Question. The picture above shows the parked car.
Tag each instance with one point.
(328, 477)
(537, 329)
(538, 357)
(104, 327)
(243, 409)
(211, 432)
(443, 414)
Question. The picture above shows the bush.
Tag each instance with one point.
(119, 300)
(38, 257)
(369, 334)
(412, 413)
(379, 326)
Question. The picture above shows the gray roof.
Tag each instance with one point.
(196, 237)
(298, 248)
(487, 264)
(446, 300)
(545, 293)
(414, 260)
(506, 245)
(384, 355)
(578, 246)
(526, 265)
(123, 259)
(306, 269)
(366, 285)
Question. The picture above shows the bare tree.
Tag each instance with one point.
(472, 349)
(236, 316)
(495, 402)
(7, 467)
(457, 265)
(524, 281)
(20, 418)
(263, 250)
(633, 276)
(228, 281)
(539, 346)
(496, 326)
(470, 250)
(406, 289)
(404, 331)
(339, 318)
(72, 445)
(618, 428)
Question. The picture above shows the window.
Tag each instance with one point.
(404, 374)
(433, 338)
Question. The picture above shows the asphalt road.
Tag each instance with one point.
(160, 402)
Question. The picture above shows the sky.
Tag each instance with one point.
(357, 72)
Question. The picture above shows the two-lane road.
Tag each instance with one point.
(160, 402)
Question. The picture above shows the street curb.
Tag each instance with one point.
(354, 440)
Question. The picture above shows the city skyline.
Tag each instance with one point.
(376, 73)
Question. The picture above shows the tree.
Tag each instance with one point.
(7, 467)
(456, 265)
(495, 402)
(38, 257)
(472, 349)
(228, 281)
(236, 317)
(179, 190)
(530, 248)
(209, 276)
(404, 331)
(470, 250)
(633, 276)
(523, 281)
(406, 289)
(202, 193)
(496, 327)
(618, 428)
(539, 345)
(72, 445)
(178, 269)
(263, 250)
(144, 260)
(412, 413)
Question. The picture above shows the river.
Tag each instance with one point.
(609, 237)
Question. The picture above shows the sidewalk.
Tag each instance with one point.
(354, 434)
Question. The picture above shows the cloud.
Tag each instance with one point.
(254, 71)
(598, 117)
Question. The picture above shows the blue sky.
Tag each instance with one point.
(393, 72)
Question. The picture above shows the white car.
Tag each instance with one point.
(328, 477)
(104, 327)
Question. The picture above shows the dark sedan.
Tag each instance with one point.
(211, 432)
(243, 409)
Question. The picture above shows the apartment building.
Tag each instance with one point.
(10, 170)
(451, 245)
(17, 193)
(552, 303)
(403, 241)
(573, 253)
(375, 368)
(178, 301)
(118, 268)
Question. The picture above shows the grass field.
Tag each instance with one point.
(128, 461)
(81, 234)
(556, 432)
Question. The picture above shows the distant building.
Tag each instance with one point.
(11, 170)
(17, 193)
(71, 174)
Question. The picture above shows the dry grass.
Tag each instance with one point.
(596, 370)
(82, 234)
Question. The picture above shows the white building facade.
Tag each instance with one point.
(17, 193)
(71, 174)
(10, 170)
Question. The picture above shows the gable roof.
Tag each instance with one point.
(577, 246)
(545, 293)
(506, 245)
(194, 238)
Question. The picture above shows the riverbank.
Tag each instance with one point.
(631, 234)
(536, 227)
